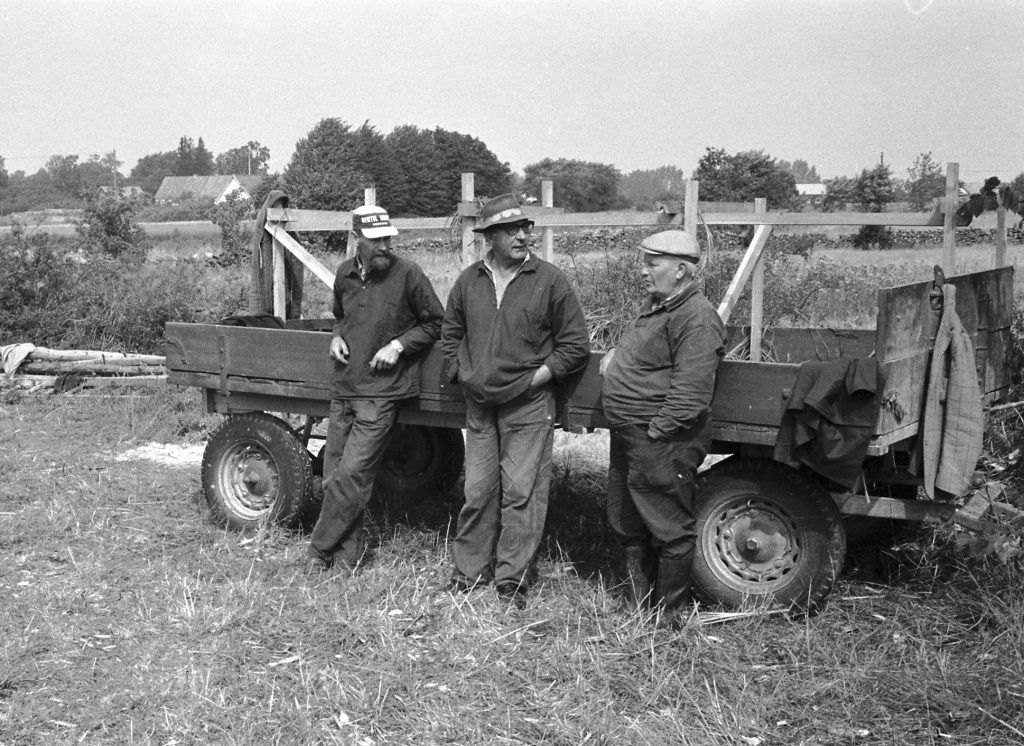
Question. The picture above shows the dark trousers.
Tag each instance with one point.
(356, 440)
(650, 488)
(508, 471)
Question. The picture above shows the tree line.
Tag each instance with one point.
(417, 172)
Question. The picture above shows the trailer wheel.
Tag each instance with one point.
(422, 459)
(765, 532)
(256, 469)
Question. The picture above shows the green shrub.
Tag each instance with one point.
(36, 280)
(234, 218)
(108, 227)
(873, 237)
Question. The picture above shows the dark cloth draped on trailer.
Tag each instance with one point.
(261, 286)
(830, 418)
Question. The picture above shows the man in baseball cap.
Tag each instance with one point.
(657, 390)
(386, 313)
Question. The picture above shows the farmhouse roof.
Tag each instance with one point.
(212, 189)
(811, 190)
(249, 183)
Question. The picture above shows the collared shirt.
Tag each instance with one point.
(500, 285)
(494, 350)
(663, 371)
(371, 311)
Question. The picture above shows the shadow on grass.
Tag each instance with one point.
(574, 532)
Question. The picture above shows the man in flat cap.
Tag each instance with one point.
(656, 393)
(513, 329)
(386, 314)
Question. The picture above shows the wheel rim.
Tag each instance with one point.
(248, 480)
(410, 453)
(753, 544)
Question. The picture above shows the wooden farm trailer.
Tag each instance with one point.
(766, 529)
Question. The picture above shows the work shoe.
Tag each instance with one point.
(314, 566)
(512, 593)
(458, 584)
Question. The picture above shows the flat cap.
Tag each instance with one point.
(672, 243)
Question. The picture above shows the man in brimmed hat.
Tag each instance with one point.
(513, 329)
(386, 314)
(657, 391)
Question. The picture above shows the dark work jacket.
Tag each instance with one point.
(830, 418)
(261, 266)
(494, 352)
(397, 304)
(663, 372)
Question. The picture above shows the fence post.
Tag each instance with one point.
(949, 220)
(279, 303)
(1001, 234)
(547, 241)
(468, 223)
(757, 293)
(690, 197)
(369, 198)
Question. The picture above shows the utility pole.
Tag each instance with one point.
(249, 148)
(113, 167)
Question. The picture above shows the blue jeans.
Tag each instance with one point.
(650, 488)
(356, 440)
(508, 470)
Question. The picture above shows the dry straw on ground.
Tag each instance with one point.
(128, 617)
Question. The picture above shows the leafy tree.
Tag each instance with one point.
(323, 173)
(745, 176)
(249, 158)
(642, 188)
(370, 152)
(193, 159)
(461, 153)
(99, 171)
(925, 182)
(873, 190)
(1017, 185)
(802, 172)
(64, 174)
(838, 193)
(580, 186)
(419, 185)
(33, 192)
(4, 178)
(150, 170)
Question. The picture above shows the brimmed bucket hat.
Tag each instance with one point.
(501, 210)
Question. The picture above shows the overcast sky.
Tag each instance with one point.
(636, 84)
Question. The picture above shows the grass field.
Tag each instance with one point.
(130, 618)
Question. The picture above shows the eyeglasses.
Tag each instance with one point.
(514, 228)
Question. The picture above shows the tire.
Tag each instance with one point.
(255, 470)
(765, 532)
(421, 459)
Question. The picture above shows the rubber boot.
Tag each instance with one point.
(637, 570)
(672, 590)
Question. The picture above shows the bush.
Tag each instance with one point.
(51, 298)
(35, 282)
(873, 237)
(234, 218)
(108, 227)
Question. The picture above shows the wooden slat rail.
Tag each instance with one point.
(300, 253)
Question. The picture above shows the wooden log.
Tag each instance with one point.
(46, 353)
(89, 366)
